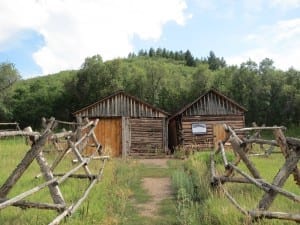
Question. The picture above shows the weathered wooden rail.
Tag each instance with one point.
(77, 141)
(290, 149)
(9, 126)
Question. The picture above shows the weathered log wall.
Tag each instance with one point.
(207, 140)
(147, 135)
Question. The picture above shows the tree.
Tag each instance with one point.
(96, 79)
(9, 75)
(190, 61)
(214, 62)
(266, 65)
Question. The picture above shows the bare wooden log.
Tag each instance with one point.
(67, 123)
(282, 142)
(260, 128)
(280, 179)
(9, 124)
(79, 157)
(281, 191)
(48, 175)
(275, 215)
(251, 179)
(26, 161)
(224, 179)
(101, 157)
(26, 204)
(221, 146)
(261, 141)
(236, 145)
(79, 176)
(90, 123)
(61, 135)
(18, 133)
(293, 141)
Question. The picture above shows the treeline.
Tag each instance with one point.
(272, 96)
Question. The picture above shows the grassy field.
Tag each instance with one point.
(114, 199)
(211, 207)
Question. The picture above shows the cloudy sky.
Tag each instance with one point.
(47, 36)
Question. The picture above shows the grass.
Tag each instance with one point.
(113, 200)
(135, 172)
(212, 206)
(12, 150)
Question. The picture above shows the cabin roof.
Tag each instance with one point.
(213, 92)
(126, 97)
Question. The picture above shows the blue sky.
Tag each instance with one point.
(47, 36)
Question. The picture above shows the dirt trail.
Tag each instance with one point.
(158, 188)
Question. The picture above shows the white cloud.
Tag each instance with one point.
(75, 29)
(279, 42)
(285, 4)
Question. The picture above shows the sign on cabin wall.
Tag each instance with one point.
(199, 128)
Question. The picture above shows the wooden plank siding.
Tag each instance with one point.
(147, 135)
(109, 134)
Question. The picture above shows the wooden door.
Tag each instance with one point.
(219, 133)
(109, 134)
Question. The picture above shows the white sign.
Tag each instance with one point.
(199, 128)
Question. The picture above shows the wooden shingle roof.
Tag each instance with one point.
(120, 104)
(211, 103)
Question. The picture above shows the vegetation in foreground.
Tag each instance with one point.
(113, 200)
(200, 204)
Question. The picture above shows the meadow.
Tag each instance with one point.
(114, 198)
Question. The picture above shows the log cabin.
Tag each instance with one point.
(128, 126)
(200, 123)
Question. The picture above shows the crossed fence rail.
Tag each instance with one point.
(77, 141)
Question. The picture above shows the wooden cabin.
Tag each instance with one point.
(128, 126)
(200, 123)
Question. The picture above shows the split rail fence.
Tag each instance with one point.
(290, 149)
(77, 142)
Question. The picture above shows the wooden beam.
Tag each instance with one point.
(26, 204)
(260, 128)
(18, 133)
(55, 192)
(275, 215)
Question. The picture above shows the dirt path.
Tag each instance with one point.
(158, 188)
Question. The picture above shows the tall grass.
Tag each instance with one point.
(93, 210)
(198, 203)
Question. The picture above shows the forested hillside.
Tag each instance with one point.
(167, 79)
